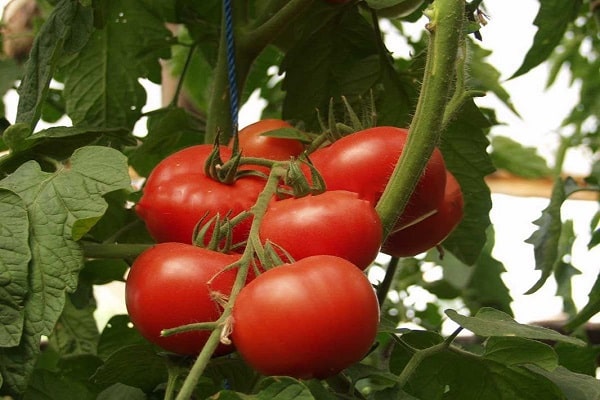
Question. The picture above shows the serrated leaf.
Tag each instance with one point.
(464, 147)
(338, 57)
(52, 385)
(65, 31)
(169, 129)
(118, 332)
(489, 322)
(519, 351)
(14, 262)
(75, 332)
(546, 238)
(574, 386)
(283, 388)
(589, 310)
(55, 202)
(517, 159)
(136, 365)
(483, 76)
(552, 20)
(578, 359)
(118, 391)
(451, 375)
(10, 72)
(480, 284)
(101, 85)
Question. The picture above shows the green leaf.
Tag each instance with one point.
(546, 238)
(56, 202)
(57, 143)
(479, 285)
(552, 20)
(64, 32)
(589, 310)
(51, 385)
(136, 365)
(101, 85)
(574, 386)
(14, 260)
(489, 322)
(483, 76)
(169, 129)
(517, 159)
(451, 376)
(578, 359)
(464, 147)
(335, 57)
(76, 332)
(118, 333)
(10, 72)
(234, 371)
(564, 271)
(118, 391)
(514, 351)
(456, 374)
(283, 388)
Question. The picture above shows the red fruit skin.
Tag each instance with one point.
(309, 319)
(253, 143)
(177, 194)
(363, 162)
(431, 231)
(337, 223)
(167, 287)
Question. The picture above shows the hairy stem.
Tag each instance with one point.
(446, 29)
(258, 211)
(113, 250)
(420, 355)
(249, 44)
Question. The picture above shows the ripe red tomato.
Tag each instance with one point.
(177, 194)
(363, 162)
(337, 223)
(253, 143)
(167, 287)
(431, 231)
(309, 319)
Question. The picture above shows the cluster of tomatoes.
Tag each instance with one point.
(314, 315)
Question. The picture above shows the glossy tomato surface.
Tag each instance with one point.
(431, 231)
(309, 319)
(253, 143)
(167, 286)
(337, 223)
(363, 162)
(177, 194)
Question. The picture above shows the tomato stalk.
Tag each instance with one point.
(219, 326)
(420, 355)
(250, 42)
(113, 250)
(446, 30)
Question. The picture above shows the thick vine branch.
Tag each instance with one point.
(446, 30)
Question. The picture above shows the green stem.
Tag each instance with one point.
(218, 122)
(249, 44)
(186, 67)
(386, 283)
(420, 355)
(255, 40)
(446, 28)
(94, 250)
(258, 210)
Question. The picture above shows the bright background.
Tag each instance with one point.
(509, 34)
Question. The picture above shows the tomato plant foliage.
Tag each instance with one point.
(69, 190)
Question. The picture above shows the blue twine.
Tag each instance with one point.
(231, 72)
